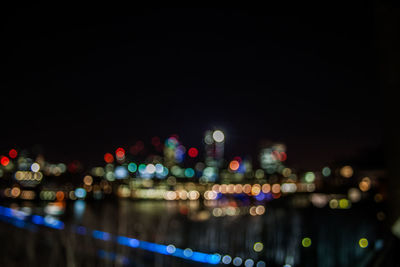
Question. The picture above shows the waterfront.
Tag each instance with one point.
(291, 232)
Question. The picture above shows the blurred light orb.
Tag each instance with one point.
(218, 136)
(35, 167)
(306, 242)
(365, 184)
(80, 193)
(88, 180)
(326, 171)
(13, 153)
(142, 168)
(171, 249)
(344, 203)
(120, 172)
(258, 246)
(260, 264)
(309, 177)
(193, 152)
(237, 261)
(150, 168)
(333, 203)
(189, 172)
(226, 259)
(159, 168)
(132, 167)
(249, 263)
(354, 195)
(234, 165)
(363, 243)
(4, 161)
(346, 171)
(108, 157)
(188, 252)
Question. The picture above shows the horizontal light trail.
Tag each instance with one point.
(22, 219)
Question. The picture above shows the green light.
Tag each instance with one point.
(189, 172)
(326, 171)
(306, 242)
(142, 168)
(309, 177)
(132, 167)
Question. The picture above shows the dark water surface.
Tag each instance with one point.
(334, 235)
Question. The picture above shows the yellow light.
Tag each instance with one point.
(306, 242)
(363, 242)
(333, 203)
(256, 189)
(344, 203)
(258, 246)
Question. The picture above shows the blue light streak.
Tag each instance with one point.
(22, 220)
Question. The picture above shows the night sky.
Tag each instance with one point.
(83, 81)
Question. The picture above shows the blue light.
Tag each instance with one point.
(159, 168)
(260, 196)
(101, 235)
(51, 222)
(121, 172)
(126, 241)
(80, 193)
(7, 215)
(36, 219)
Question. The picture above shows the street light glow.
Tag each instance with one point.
(218, 136)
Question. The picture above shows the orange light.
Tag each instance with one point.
(234, 165)
(60, 195)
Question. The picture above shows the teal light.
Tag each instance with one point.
(142, 168)
(326, 171)
(132, 167)
(189, 172)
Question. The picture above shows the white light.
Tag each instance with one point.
(171, 249)
(150, 168)
(35, 167)
(218, 136)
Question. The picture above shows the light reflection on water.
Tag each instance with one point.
(334, 235)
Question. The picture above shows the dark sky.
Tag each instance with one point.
(82, 81)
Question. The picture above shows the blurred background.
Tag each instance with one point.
(199, 136)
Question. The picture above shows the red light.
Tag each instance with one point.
(4, 161)
(120, 152)
(193, 152)
(13, 153)
(108, 158)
